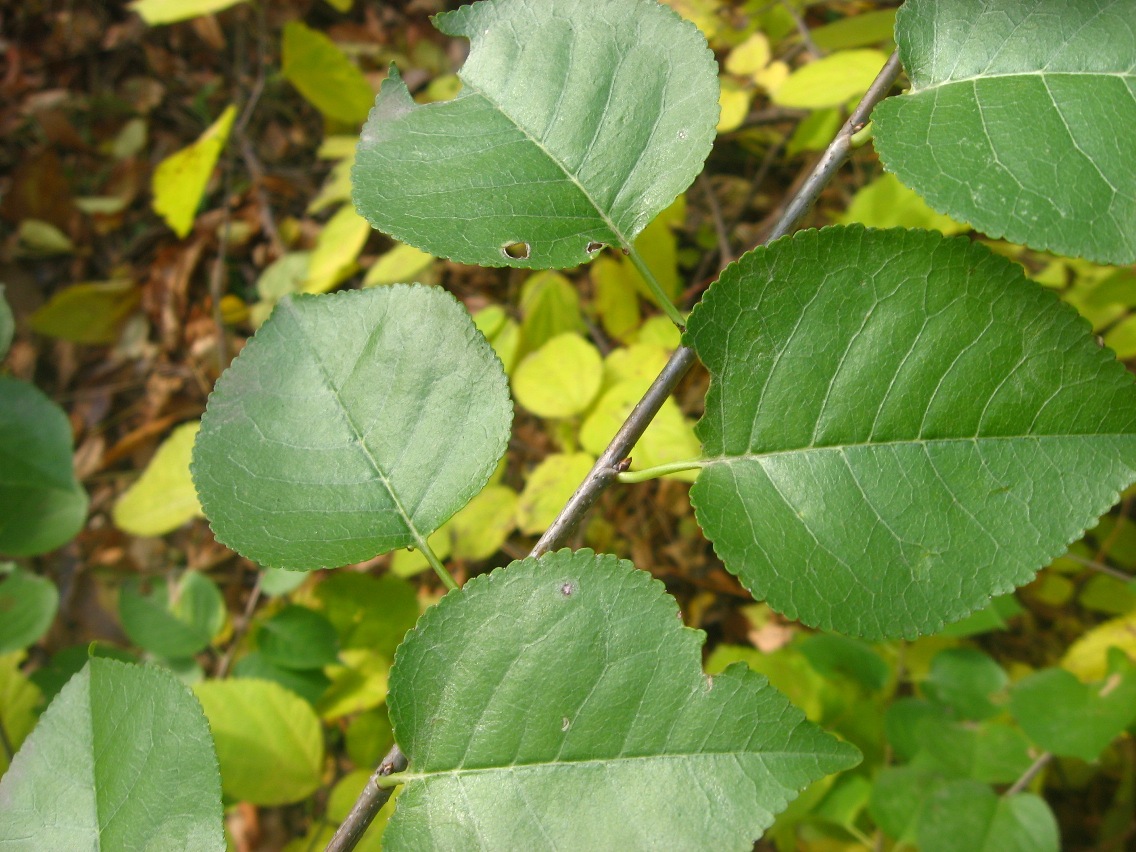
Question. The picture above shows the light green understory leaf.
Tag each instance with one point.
(578, 122)
(162, 499)
(1030, 109)
(898, 427)
(968, 815)
(42, 506)
(27, 607)
(269, 742)
(122, 759)
(560, 703)
(92, 312)
(351, 425)
(330, 81)
(172, 623)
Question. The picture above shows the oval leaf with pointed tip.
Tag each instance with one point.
(351, 425)
(577, 122)
(898, 427)
(122, 759)
(1029, 108)
(583, 720)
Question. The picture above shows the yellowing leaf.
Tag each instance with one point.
(330, 81)
(340, 5)
(772, 76)
(484, 524)
(337, 247)
(19, 698)
(750, 56)
(734, 102)
(43, 238)
(337, 188)
(156, 12)
(887, 203)
(87, 313)
(163, 497)
(831, 81)
(548, 488)
(502, 332)
(660, 331)
(1087, 658)
(180, 179)
(616, 297)
(560, 379)
(403, 264)
(357, 685)
(549, 306)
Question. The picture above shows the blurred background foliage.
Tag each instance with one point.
(170, 169)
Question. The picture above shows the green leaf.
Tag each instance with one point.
(330, 81)
(549, 306)
(339, 431)
(892, 440)
(42, 506)
(309, 684)
(120, 760)
(991, 617)
(402, 264)
(582, 719)
(27, 608)
(887, 203)
(577, 123)
(369, 612)
(835, 656)
(359, 684)
(1070, 718)
(68, 662)
(368, 737)
(20, 699)
(1029, 109)
(964, 679)
(275, 582)
(269, 742)
(179, 180)
(298, 638)
(561, 378)
(172, 624)
(899, 795)
(156, 12)
(87, 313)
(7, 324)
(162, 499)
(968, 815)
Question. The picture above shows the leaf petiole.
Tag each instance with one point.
(661, 470)
(445, 576)
(656, 289)
(392, 780)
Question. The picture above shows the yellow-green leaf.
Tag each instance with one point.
(357, 685)
(19, 698)
(616, 297)
(561, 378)
(87, 313)
(1087, 658)
(180, 179)
(402, 264)
(750, 56)
(331, 82)
(484, 524)
(163, 498)
(733, 100)
(548, 488)
(43, 238)
(887, 203)
(831, 81)
(338, 246)
(156, 12)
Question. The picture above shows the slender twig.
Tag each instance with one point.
(1028, 775)
(725, 253)
(803, 29)
(608, 465)
(239, 629)
(1101, 567)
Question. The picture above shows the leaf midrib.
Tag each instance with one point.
(1124, 75)
(917, 442)
(603, 761)
(358, 434)
(623, 239)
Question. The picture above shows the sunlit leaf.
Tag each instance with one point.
(1087, 658)
(315, 65)
(831, 81)
(358, 683)
(269, 742)
(586, 721)
(857, 30)
(339, 243)
(41, 504)
(332, 436)
(484, 524)
(162, 498)
(402, 264)
(120, 760)
(180, 179)
(560, 379)
(156, 12)
(1028, 109)
(552, 174)
(19, 702)
(548, 487)
(879, 434)
(887, 203)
